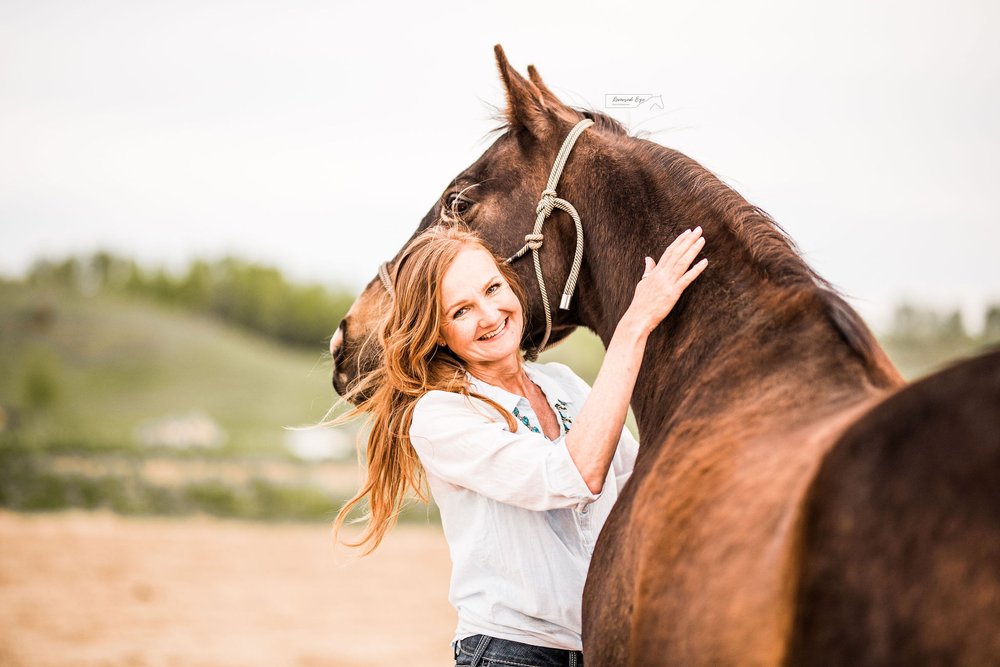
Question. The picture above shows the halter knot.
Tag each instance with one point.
(533, 241)
(547, 202)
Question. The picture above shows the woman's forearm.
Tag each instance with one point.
(598, 425)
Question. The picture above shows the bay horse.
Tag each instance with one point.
(794, 501)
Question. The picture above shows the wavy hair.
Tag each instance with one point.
(412, 364)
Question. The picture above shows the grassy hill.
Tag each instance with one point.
(86, 372)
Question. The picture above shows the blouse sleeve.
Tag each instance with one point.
(470, 446)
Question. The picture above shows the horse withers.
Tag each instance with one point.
(793, 502)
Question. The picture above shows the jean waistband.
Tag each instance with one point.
(485, 646)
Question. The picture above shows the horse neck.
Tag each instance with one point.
(756, 318)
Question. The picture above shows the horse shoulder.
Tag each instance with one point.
(714, 581)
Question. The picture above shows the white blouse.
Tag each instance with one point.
(519, 519)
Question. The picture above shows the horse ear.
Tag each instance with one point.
(547, 95)
(525, 102)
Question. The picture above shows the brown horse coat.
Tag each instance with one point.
(900, 543)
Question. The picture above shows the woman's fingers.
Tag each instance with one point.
(666, 251)
(668, 278)
(677, 257)
(683, 241)
(684, 261)
(692, 273)
(676, 251)
(688, 236)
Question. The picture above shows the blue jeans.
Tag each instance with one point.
(484, 651)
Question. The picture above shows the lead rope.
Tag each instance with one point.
(383, 274)
(533, 241)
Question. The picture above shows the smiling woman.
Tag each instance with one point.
(524, 459)
(483, 322)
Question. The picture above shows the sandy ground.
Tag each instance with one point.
(342, 477)
(86, 589)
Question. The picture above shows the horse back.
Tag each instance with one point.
(900, 541)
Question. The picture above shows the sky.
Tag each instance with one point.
(314, 136)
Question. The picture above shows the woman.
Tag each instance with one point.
(523, 459)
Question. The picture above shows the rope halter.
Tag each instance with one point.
(548, 202)
(533, 241)
(383, 274)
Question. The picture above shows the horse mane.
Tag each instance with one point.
(770, 251)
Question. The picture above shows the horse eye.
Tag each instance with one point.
(457, 203)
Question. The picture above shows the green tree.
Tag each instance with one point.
(109, 271)
(195, 288)
(991, 333)
(66, 273)
(252, 295)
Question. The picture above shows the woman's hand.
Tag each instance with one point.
(663, 282)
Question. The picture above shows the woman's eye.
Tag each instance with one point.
(456, 203)
(491, 290)
(460, 312)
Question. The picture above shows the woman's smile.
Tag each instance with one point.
(496, 333)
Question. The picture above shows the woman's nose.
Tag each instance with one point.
(490, 316)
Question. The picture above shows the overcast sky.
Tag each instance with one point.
(315, 135)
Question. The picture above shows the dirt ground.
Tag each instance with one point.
(87, 589)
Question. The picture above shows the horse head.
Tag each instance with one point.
(498, 196)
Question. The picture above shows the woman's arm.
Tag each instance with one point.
(598, 425)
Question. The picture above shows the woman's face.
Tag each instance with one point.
(477, 301)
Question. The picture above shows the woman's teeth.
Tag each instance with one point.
(495, 333)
